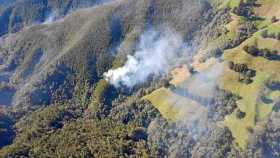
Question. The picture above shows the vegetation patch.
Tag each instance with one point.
(268, 8)
(250, 103)
(173, 106)
(226, 3)
(159, 98)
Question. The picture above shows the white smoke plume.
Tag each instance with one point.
(156, 54)
(206, 80)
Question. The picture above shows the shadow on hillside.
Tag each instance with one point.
(6, 131)
(6, 96)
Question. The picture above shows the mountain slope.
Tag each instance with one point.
(212, 83)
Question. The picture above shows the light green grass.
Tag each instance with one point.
(159, 98)
(250, 102)
(174, 107)
(232, 28)
(262, 23)
(268, 8)
(230, 3)
(274, 28)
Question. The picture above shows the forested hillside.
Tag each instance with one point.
(140, 78)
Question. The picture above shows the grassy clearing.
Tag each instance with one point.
(220, 4)
(174, 107)
(180, 74)
(232, 28)
(274, 28)
(250, 103)
(268, 8)
(256, 110)
(159, 98)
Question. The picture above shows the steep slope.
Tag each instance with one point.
(253, 102)
(16, 14)
(256, 100)
(220, 94)
(42, 58)
(255, 108)
(48, 64)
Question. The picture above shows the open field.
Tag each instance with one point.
(250, 103)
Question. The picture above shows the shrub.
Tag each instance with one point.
(231, 65)
(274, 19)
(138, 134)
(240, 114)
(192, 70)
(265, 34)
(6, 130)
(251, 73)
(166, 83)
(247, 80)
(246, 48)
(217, 52)
(245, 9)
(266, 53)
(253, 50)
(245, 73)
(172, 87)
(250, 129)
(276, 107)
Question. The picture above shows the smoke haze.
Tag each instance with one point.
(156, 54)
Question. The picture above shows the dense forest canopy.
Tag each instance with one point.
(140, 78)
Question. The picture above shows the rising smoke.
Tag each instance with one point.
(156, 54)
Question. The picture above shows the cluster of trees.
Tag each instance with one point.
(57, 86)
(15, 15)
(265, 34)
(218, 143)
(246, 73)
(245, 8)
(131, 128)
(215, 29)
(224, 103)
(266, 53)
(6, 93)
(71, 129)
(269, 142)
(243, 32)
(6, 129)
(240, 114)
(273, 85)
(216, 53)
(96, 120)
(276, 107)
(274, 19)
